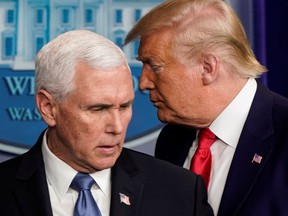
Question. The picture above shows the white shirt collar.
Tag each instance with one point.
(229, 124)
(60, 175)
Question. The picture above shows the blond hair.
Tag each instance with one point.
(200, 27)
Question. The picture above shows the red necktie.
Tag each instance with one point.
(202, 160)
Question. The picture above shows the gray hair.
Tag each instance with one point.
(200, 27)
(55, 63)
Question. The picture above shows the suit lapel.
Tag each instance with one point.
(243, 173)
(174, 142)
(32, 191)
(127, 180)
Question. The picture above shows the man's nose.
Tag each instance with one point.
(115, 124)
(145, 81)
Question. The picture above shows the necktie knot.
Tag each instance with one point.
(82, 182)
(85, 204)
(206, 138)
(202, 160)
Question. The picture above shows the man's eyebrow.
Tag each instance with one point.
(130, 102)
(107, 106)
(99, 105)
(143, 59)
(139, 58)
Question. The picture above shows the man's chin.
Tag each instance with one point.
(162, 117)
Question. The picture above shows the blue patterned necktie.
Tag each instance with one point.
(85, 204)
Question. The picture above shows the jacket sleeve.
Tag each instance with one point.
(202, 207)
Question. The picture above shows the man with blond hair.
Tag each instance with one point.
(202, 76)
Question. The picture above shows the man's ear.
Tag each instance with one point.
(210, 68)
(46, 106)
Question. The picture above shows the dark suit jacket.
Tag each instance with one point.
(251, 188)
(154, 187)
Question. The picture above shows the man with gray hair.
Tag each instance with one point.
(84, 93)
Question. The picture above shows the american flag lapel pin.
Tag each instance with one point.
(256, 158)
(124, 199)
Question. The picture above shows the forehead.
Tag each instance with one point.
(156, 43)
(85, 72)
(103, 82)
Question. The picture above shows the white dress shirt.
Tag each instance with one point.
(59, 176)
(227, 127)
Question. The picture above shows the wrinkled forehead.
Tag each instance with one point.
(85, 75)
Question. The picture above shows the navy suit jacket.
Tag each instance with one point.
(251, 188)
(154, 187)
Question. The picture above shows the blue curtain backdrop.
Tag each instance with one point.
(271, 34)
(260, 34)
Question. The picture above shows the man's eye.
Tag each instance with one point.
(97, 109)
(156, 68)
(126, 106)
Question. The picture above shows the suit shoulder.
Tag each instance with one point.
(280, 102)
(10, 165)
(280, 112)
(154, 166)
